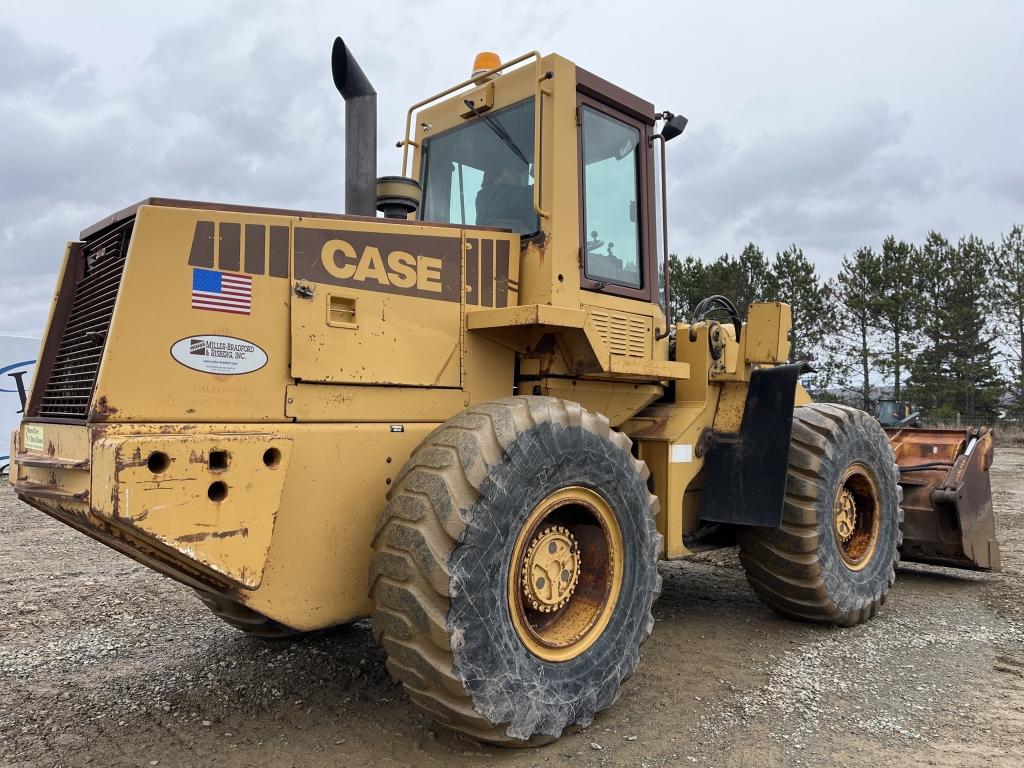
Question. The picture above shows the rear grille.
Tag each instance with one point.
(72, 377)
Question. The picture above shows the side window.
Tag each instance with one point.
(611, 156)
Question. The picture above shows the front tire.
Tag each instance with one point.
(515, 568)
(833, 558)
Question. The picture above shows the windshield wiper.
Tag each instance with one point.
(499, 131)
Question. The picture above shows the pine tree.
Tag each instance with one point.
(797, 283)
(857, 300)
(757, 280)
(688, 278)
(725, 278)
(977, 385)
(742, 280)
(956, 374)
(1008, 290)
(898, 309)
(930, 380)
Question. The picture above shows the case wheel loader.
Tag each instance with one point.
(472, 419)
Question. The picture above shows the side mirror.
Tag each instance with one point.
(674, 127)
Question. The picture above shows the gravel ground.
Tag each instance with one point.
(104, 663)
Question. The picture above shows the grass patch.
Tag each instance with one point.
(1010, 434)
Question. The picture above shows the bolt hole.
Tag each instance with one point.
(158, 462)
(272, 457)
(218, 461)
(561, 278)
(218, 491)
(387, 481)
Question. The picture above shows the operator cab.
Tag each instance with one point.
(557, 155)
(896, 413)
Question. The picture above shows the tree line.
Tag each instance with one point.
(940, 323)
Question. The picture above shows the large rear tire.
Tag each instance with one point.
(833, 558)
(515, 568)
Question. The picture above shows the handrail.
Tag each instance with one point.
(538, 109)
(538, 91)
(666, 274)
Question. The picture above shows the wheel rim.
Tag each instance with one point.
(565, 574)
(856, 517)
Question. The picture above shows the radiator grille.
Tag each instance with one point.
(624, 333)
(72, 377)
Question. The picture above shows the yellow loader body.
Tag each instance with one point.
(474, 419)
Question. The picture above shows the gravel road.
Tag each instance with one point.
(104, 663)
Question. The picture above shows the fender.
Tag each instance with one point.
(745, 473)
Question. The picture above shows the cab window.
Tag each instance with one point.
(482, 172)
(611, 174)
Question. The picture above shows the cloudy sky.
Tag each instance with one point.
(809, 124)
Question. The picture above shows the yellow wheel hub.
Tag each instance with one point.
(551, 569)
(856, 517)
(565, 574)
(845, 514)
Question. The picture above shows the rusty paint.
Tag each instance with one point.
(27, 489)
(204, 535)
(104, 409)
(135, 460)
(159, 560)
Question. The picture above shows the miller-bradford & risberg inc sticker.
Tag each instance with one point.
(222, 355)
(33, 437)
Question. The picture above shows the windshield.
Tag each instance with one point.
(482, 172)
(887, 410)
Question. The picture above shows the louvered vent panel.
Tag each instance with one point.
(73, 375)
(623, 332)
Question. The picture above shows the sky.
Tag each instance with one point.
(821, 124)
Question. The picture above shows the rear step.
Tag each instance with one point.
(40, 461)
(44, 491)
(947, 497)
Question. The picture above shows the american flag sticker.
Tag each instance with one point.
(221, 291)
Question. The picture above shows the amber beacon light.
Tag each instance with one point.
(484, 62)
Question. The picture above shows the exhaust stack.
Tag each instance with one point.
(360, 131)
